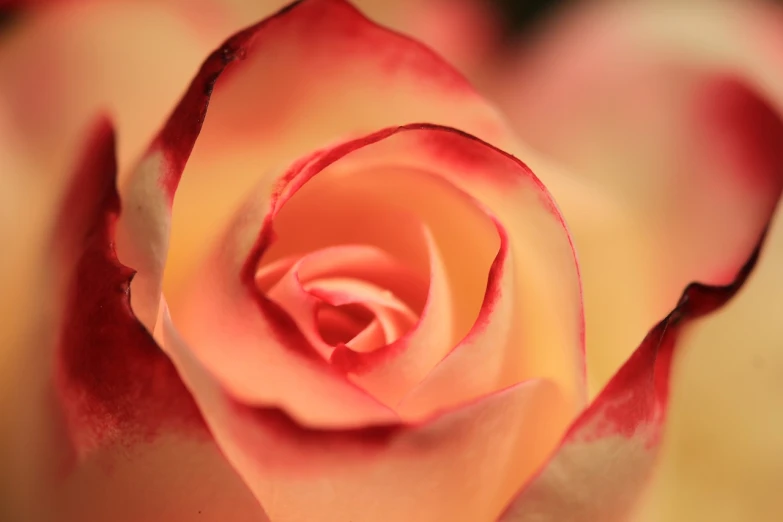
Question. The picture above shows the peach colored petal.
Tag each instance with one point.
(66, 61)
(154, 182)
(314, 279)
(368, 339)
(364, 262)
(398, 82)
(390, 372)
(244, 339)
(456, 466)
(607, 456)
(352, 78)
(91, 380)
(670, 114)
(722, 452)
(541, 279)
(27, 206)
(236, 371)
(393, 315)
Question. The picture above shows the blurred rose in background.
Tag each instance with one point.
(656, 127)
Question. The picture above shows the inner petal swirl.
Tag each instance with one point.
(371, 267)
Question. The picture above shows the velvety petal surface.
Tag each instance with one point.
(608, 456)
(393, 77)
(237, 348)
(235, 351)
(381, 472)
(722, 451)
(65, 61)
(99, 408)
(351, 78)
(668, 115)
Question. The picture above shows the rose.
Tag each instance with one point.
(129, 387)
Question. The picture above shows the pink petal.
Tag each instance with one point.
(368, 339)
(232, 351)
(669, 118)
(56, 78)
(393, 315)
(101, 415)
(390, 372)
(536, 328)
(112, 379)
(299, 291)
(455, 466)
(367, 78)
(607, 456)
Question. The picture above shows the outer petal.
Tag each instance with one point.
(25, 224)
(351, 78)
(111, 412)
(669, 112)
(457, 466)
(606, 458)
(65, 61)
(722, 455)
(111, 377)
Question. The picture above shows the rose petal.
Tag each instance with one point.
(220, 308)
(97, 385)
(381, 472)
(537, 298)
(244, 341)
(306, 283)
(56, 77)
(390, 372)
(606, 458)
(393, 315)
(671, 114)
(363, 262)
(351, 78)
(111, 377)
(236, 353)
(25, 325)
(722, 452)
(154, 182)
(368, 339)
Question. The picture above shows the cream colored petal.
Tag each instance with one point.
(668, 114)
(722, 454)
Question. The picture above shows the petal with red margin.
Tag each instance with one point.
(112, 378)
(539, 327)
(118, 395)
(351, 77)
(386, 472)
(669, 113)
(245, 340)
(606, 459)
(56, 78)
(722, 453)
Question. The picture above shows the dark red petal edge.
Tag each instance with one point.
(112, 380)
(178, 137)
(637, 395)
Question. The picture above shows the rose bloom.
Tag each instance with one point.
(312, 274)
